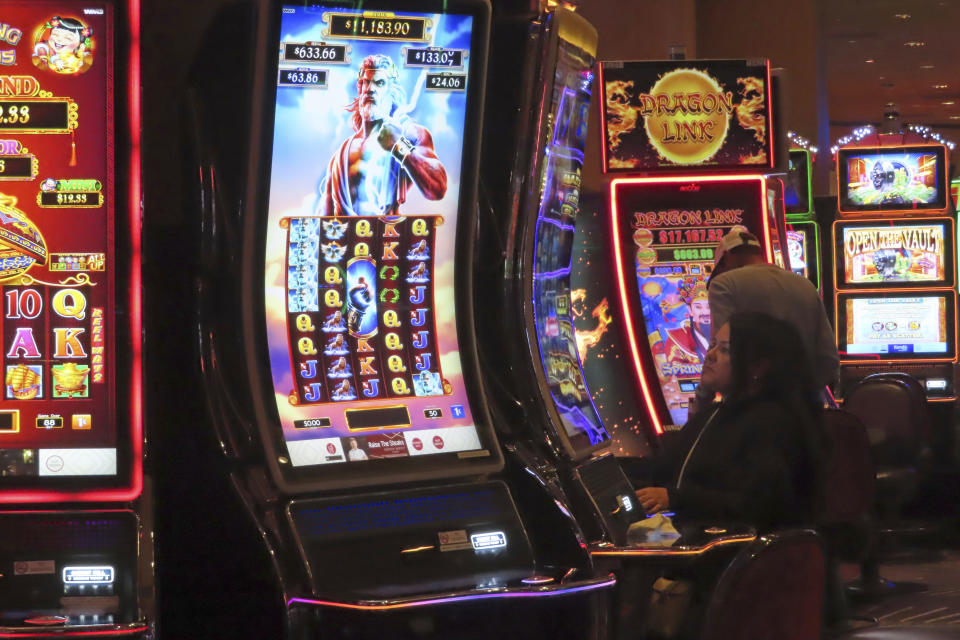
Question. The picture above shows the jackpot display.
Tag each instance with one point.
(665, 234)
(690, 113)
(58, 257)
(364, 194)
(893, 179)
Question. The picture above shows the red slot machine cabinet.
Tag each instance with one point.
(76, 514)
(699, 168)
(895, 277)
(371, 464)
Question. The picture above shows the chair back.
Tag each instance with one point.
(894, 416)
(918, 392)
(772, 589)
(851, 477)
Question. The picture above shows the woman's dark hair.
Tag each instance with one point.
(772, 349)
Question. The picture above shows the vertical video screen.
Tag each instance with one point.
(559, 345)
(674, 228)
(361, 231)
(57, 257)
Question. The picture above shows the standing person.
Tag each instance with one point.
(742, 280)
(370, 173)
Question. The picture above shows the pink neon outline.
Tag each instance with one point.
(621, 281)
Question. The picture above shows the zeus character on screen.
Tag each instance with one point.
(371, 171)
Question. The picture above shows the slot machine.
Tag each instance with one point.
(803, 232)
(542, 364)
(696, 142)
(895, 276)
(348, 396)
(76, 547)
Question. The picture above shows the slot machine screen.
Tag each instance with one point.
(892, 179)
(361, 239)
(796, 185)
(902, 253)
(799, 252)
(875, 326)
(559, 207)
(669, 230)
(60, 249)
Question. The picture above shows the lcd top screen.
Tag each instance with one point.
(892, 179)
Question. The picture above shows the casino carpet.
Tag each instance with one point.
(939, 605)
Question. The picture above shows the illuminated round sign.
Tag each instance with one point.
(687, 115)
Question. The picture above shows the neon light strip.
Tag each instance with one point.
(66, 633)
(621, 279)
(136, 212)
(542, 592)
(669, 552)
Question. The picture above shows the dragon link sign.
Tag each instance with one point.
(670, 113)
(687, 115)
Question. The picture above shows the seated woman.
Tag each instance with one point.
(758, 456)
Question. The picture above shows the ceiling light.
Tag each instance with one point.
(955, 117)
(915, 43)
(870, 61)
(926, 66)
(902, 16)
(948, 102)
(940, 86)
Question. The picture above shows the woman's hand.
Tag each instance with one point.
(654, 499)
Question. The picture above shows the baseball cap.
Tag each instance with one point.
(737, 237)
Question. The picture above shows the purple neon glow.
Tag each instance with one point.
(609, 582)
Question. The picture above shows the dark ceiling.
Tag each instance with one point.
(902, 51)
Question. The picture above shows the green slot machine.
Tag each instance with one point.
(803, 232)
